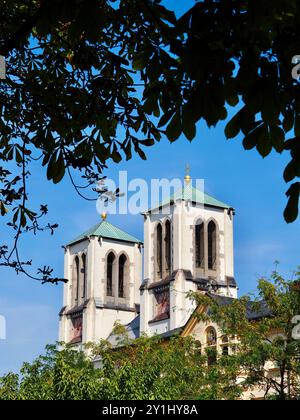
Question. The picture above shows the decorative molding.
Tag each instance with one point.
(113, 307)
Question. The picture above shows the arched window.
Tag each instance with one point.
(122, 268)
(199, 241)
(211, 349)
(75, 281)
(159, 252)
(212, 245)
(168, 248)
(84, 277)
(225, 345)
(110, 272)
(211, 337)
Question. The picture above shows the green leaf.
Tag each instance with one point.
(147, 142)
(151, 105)
(23, 219)
(128, 150)
(190, 131)
(264, 144)
(51, 166)
(116, 157)
(16, 215)
(101, 152)
(288, 122)
(139, 151)
(59, 169)
(290, 171)
(165, 119)
(249, 142)
(189, 126)
(142, 154)
(233, 127)
(3, 209)
(174, 129)
(139, 61)
(292, 209)
(251, 139)
(277, 137)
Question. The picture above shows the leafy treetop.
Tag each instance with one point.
(86, 85)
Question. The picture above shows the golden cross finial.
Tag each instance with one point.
(104, 216)
(187, 177)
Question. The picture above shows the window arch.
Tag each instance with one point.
(122, 274)
(159, 252)
(211, 337)
(168, 247)
(110, 274)
(75, 281)
(211, 349)
(212, 245)
(225, 345)
(84, 277)
(199, 243)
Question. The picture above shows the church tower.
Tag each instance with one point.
(104, 269)
(188, 247)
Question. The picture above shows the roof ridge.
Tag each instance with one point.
(92, 229)
(181, 194)
(106, 230)
(120, 229)
(208, 195)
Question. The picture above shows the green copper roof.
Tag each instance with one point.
(108, 231)
(189, 193)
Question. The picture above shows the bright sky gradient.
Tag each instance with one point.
(253, 186)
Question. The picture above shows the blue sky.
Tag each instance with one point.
(253, 186)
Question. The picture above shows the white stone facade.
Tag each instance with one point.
(100, 312)
(184, 217)
(178, 258)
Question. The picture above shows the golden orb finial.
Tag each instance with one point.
(104, 216)
(187, 177)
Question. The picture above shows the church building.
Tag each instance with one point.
(114, 277)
